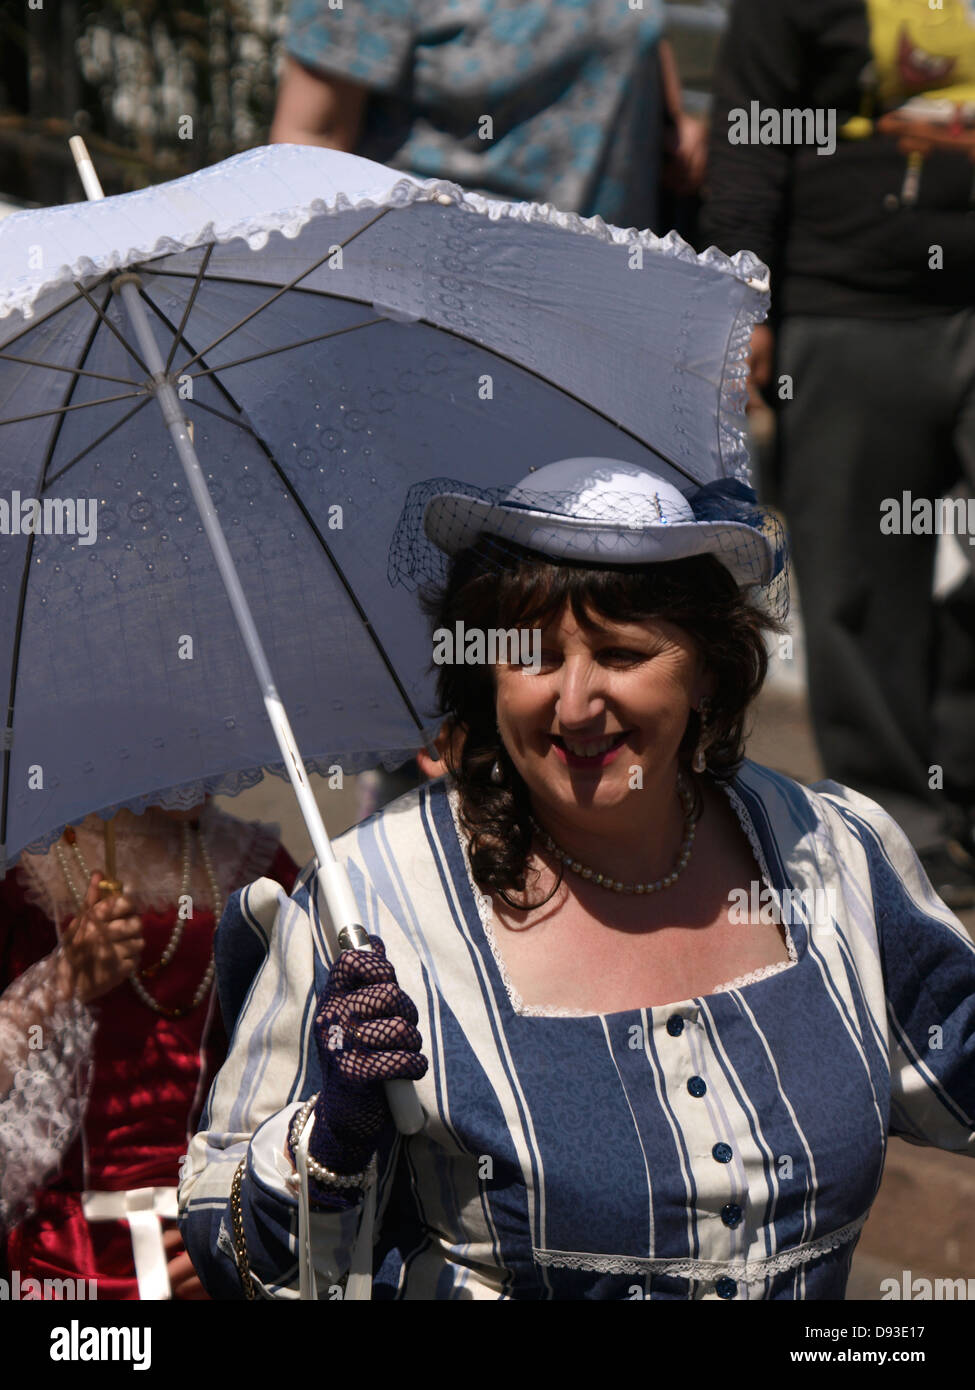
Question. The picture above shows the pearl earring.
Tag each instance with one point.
(699, 762)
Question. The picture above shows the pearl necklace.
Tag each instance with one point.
(174, 940)
(616, 885)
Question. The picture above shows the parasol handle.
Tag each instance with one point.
(110, 884)
(332, 877)
(110, 849)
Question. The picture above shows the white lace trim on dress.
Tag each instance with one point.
(45, 1077)
(766, 971)
(745, 1271)
(486, 914)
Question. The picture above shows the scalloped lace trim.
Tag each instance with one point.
(486, 914)
(189, 794)
(745, 1271)
(290, 222)
(764, 973)
(732, 428)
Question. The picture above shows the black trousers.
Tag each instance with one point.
(882, 407)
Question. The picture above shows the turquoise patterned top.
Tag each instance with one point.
(544, 102)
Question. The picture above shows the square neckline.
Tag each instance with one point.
(485, 914)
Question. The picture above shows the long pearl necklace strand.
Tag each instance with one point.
(174, 940)
(616, 885)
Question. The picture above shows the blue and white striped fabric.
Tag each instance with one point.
(567, 1156)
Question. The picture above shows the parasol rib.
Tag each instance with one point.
(283, 289)
(287, 347)
(112, 329)
(58, 309)
(80, 405)
(100, 440)
(309, 519)
(60, 367)
(177, 336)
(21, 604)
(438, 328)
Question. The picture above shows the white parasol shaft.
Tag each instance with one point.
(333, 880)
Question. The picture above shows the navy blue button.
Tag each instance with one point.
(726, 1288)
(696, 1086)
(722, 1152)
(731, 1214)
(675, 1025)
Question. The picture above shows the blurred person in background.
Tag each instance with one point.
(109, 1037)
(46, 1031)
(867, 226)
(564, 102)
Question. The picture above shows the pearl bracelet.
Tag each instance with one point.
(325, 1177)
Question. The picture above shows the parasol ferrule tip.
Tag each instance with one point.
(86, 169)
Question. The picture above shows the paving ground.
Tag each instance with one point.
(923, 1220)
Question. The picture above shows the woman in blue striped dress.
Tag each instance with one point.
(663, 1006)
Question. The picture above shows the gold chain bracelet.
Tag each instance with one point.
(240, 1244)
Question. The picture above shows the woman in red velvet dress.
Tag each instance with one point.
(157, 1041)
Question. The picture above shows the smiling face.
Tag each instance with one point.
(603, 703)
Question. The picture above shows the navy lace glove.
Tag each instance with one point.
(365, 1034)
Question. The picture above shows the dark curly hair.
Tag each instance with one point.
(524, 589)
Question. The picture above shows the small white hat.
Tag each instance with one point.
(601, 510)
